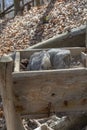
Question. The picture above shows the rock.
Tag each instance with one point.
(24, 62)
(71, 122)
(52, 53)
(60, 58)
(39, 61)
(2, 124)
(51, 59)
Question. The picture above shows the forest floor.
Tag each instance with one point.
(41, 23)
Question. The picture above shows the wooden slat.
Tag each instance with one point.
(84, 58)
(74, 51)
(17, 62)
(13, 121)
(74, 38)
(40, 92)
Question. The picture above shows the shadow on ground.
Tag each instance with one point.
(3, 24)
(38, 34)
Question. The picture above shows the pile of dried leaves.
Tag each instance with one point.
(41, 23)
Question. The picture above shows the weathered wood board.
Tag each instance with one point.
(74, 38)
(74, 51)
(17, 62)
(50, 91)
(13, 121)
(39, 93)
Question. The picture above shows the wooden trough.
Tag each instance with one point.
(74, 38)
(41, 93)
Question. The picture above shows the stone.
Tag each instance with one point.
(51, 59)
(62, 59)
(39, 61)
(52, 53)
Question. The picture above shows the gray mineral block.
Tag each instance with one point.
(62, 59)
(39, 61)
(52, 53)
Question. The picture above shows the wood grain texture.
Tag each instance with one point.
(84, 58)
(12, 119)
(17, 62)
(41, 92)
(28, 53)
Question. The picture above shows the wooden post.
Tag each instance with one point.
(12, 119)
(86, 36)
(84, 58)
(17, 62)
(84, 54)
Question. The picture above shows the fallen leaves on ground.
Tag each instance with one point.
(41, 23)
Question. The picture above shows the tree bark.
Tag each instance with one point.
(16, 6)
(37, 2)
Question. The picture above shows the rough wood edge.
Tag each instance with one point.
(13, 121)
(58, 38)
(84, 59)
(74, 51)
(17, 62)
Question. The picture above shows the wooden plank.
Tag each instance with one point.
(12, 119)
(74, 51)
(40, 92)
(74, 38)
(84, 58)
(17, 62)
(86, 35)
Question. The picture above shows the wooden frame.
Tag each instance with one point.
(13, 120)
(41, 93)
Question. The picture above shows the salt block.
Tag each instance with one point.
(39, 61)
